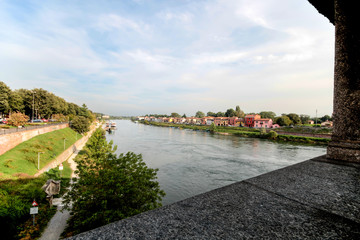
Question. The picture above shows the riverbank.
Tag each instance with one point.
(246, 132)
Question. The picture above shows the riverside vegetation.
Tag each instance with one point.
(110, 187)
(16, 197)
(245, 132)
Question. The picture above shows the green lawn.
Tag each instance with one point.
(23, 159)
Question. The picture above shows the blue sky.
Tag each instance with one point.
(152, 56)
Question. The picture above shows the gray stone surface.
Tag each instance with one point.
(345, 144)
(316, 199)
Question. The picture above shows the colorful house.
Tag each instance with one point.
(221, 121)
(250, 120)
(263, 123)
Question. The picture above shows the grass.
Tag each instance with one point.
(305, 129)
(255, 133)
(22, 160)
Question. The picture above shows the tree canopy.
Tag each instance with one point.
(268, 114)
(110, 187)
(199, 114)
(44, 103)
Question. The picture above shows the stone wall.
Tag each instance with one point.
(9, 141)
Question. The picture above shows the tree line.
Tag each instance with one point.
(282, 120)
(39, 103)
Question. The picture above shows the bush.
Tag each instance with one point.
(272, 135)
(18, 119)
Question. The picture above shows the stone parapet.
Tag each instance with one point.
(315, 199)
(9, 141)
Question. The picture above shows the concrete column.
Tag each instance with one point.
(345, 144)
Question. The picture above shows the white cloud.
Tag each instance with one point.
(110, 22)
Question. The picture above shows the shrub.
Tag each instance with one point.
(272, 135)
(18, 119)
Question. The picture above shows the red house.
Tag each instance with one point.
(250, 120)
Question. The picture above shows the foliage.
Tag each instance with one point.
(45, 103)
(267, 114)
(80, 124)
(175, 115)
(262, 131)
(211, 114)
(18, 119)
(16, 197)
(59, 117)
(230, 112)
(304, 118)
(272, 135)
(220, 114)
(199, 114)
(213, 128)
(283, 120)
(184, 115)
(326, 118)
(294, 118)
(109, 187)
(4, 98)
(238, 112)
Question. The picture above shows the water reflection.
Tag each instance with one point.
(192, 162)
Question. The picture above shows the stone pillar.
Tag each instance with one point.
(345, 144)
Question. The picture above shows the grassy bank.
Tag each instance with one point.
(247, 132)
(22, 161)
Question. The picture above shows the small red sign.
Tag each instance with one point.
(34, 203)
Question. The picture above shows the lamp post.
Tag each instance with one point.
(33, 106)
(39, 159)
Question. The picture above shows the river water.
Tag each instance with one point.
(192, 162)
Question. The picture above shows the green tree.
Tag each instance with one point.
(238, 112)
(268, 114)
(4, 98)
(283, 120)
(175, 115)
(110, 187)
(80, 124)
(325, 118)
(16, 102)
(294, 118)
(211, 114)
(184, 115)
(230, 113)
(199, 114)
(272, 135)
(220, 114)
(304, 118)
(213, 128)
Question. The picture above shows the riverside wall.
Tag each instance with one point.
(69, 151)
(9, 141)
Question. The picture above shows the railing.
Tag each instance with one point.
(14, 130)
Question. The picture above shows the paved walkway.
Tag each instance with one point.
(58, 222)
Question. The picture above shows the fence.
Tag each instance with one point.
(14, 130)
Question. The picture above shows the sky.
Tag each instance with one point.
(136, 57)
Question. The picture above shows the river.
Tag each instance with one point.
(192, 162)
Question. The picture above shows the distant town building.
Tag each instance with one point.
(250, 120)
(326, 124)
(263, 123)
